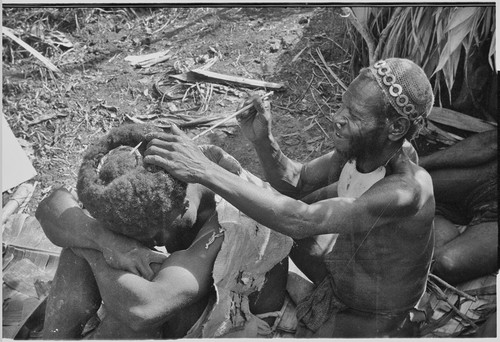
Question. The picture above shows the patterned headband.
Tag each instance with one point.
(387, 78)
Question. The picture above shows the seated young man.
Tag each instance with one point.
(465, 177)
(146, 294)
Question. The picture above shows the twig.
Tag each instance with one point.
(9, 33)
(454, 289)
(321, 127)
(305, 92)
(247, 107)
(330, 70)
(322, 71)
(298, 55)
(135, 148)
(314, 98)
(441, 295)
(338, 45)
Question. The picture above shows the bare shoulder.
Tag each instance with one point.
(411, 183)
(404, 192)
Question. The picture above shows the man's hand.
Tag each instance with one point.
(222, 158)
(176, 153)
(127, 254)
(255, 123)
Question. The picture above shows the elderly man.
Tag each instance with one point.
(144, 293)
(367, 191)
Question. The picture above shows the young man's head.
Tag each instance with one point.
(387, 102)
(144, 203)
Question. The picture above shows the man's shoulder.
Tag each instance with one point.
(408, 190)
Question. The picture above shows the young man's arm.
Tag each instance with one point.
(183, 278)
(475, 150)
(67, 225)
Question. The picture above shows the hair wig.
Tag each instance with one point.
(123, 194)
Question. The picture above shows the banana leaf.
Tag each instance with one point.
(29, 262)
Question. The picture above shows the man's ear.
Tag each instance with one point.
(398, 128)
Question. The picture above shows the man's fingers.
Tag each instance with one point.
(260, 105)
(157, 257)
(145, 263)
(158, 145)
(133, 269)
(156, 160)
(177, 131)
(145, 271)
(158, 135)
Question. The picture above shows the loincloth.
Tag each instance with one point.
(317, 314)
(480, 206)
(319, 306)
(248, 252)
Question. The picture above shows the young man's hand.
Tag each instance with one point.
(127, 254)
(66, 225)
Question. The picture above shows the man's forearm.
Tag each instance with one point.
(280, 171)
(272, 209)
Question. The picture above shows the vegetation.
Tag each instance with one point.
(454, 45)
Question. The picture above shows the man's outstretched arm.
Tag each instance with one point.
(382, 204)
(183, 278)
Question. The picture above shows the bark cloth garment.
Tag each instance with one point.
(324, 302)
(248, 252)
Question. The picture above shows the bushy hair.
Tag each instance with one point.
(124, 195)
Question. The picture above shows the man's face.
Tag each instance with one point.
(161, 236)
(178, 232)
(357, 124)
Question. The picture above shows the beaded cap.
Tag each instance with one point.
(406, 86)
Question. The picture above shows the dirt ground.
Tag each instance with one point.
(55, 117)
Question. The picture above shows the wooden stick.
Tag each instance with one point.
(441, 295)
(247, 107)
(241, 81)
(135, 148)
(339, 81)
(448, 286)
(9, 33)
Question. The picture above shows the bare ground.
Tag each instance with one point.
(56, 117)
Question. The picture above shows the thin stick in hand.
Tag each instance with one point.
(241, 110)
(135, 148)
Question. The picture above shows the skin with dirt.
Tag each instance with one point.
(55, 117)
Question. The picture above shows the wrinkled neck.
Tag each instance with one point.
(374, 160)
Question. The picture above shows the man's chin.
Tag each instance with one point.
(348, 154)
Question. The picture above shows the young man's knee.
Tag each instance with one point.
(446, 266)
